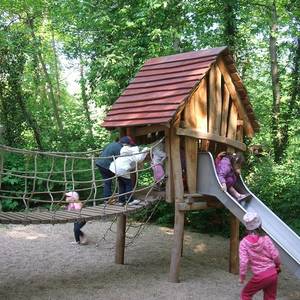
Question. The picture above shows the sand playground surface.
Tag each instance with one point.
(39, 262)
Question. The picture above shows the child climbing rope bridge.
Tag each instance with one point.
(124, 167)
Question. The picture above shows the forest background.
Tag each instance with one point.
(102, 45)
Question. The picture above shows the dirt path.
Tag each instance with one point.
(39, 262)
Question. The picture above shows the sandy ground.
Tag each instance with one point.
(39, 262)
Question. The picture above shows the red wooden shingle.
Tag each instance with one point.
(160, 87)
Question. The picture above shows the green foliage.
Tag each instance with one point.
(9, 205)
(208, 221)
(162, 214)
(277, 185)
(109, 41)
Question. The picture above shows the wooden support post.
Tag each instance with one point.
(168, 167)
(178, 194)
(177, 246)
(234, 245)
(174, 140)
(120, 241)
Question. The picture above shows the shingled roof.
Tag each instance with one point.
(163, 84)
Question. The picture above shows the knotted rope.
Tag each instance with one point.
(32, 178)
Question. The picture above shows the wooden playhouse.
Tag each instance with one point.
(197, 101)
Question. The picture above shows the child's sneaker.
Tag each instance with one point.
(134, 202)
(75, 243)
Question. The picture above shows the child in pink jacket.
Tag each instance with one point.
(258, 251)
(76, 205)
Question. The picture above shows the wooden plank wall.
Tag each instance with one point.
(214, 108)
(195, 116)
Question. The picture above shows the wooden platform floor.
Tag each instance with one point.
(87, 213)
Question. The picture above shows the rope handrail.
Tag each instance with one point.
(9, 148)
(8, 171)
(35, 186)
(65, 154)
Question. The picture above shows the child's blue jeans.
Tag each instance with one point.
(125, 185)
(77, 232)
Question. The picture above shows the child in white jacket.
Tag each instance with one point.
(122, 166)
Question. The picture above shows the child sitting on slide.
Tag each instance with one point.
(75, 204)
(228, 167)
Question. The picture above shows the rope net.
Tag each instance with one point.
(36, 180)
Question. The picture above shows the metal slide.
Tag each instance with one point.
(287, 241)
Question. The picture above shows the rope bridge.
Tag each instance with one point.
(35, 183)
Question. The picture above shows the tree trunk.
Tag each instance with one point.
(295, 92)
(40, 88)
(230, 29)
(30, 120)
(276, 132)
(85, 98)
(49, 83)
(56, 70)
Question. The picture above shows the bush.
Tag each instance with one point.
(277, 185)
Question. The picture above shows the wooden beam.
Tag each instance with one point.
(211, 99)
(225, 111)
(235, 97)
(232, 126)
(168, 168)
(192, 206)
(215, 100)
(215, 204)
(130, 131)
(177, 246)
(191, 145)
(193, 195)
(218, 104)
(176, 161)
(202, 111)
(120, 241)
(138, 131)
(201, 107)
(195, 133)
(189, 111)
